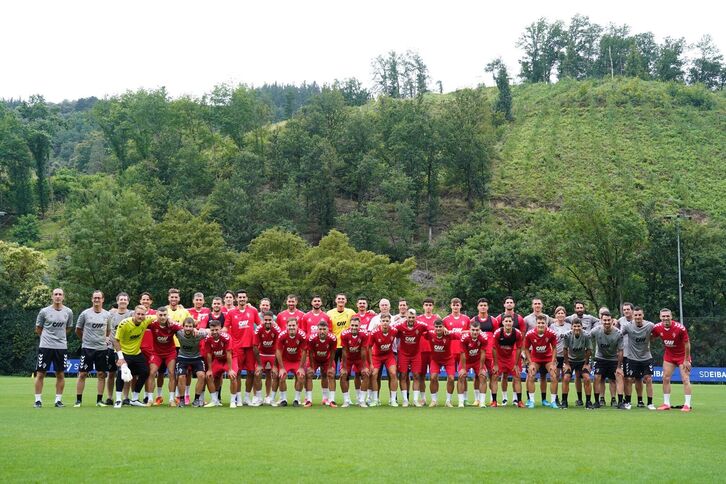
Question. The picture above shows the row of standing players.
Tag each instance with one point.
(361, 344)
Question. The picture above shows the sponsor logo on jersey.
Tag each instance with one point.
(410, 339)
(439, 348)
(162, 339)
(58, 325)
(669, 342)
(540, 349)
(98, 325)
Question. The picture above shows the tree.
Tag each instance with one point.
(23, 275)
(26, 229)
(501, 78)
(580, 48)
(400, 75)
(387, 74)
(614, 49)
(15, 165)
(353, 91)
(708, 68)
(237, 111)
(542, 44)
(669, 63)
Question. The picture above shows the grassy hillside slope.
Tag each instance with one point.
(642, 139)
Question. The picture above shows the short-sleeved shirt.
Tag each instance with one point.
(282, 318)
(410, 338)
(322, 350)
(162, 337)
(636, 340)
(201, 316)
(218, 347)
(179, 314)
(353, 343)
(456, 325)
(588, 321)
(561, 331)
(340, 321)
(310, 321)
(114, 319)
(540, 345)
(441, 346)
(429, 321)
(382, 343)
(577, 346)
(674, 340)
(189, 344)
(54, 323)
(292, 347)
(506, 346)
(530, 321)
(94, 325)
(607, 344)
(366, 318)
(129, 334)
(266, 341)
(241, 326)
(472, 347)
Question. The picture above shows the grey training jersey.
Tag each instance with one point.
(114, 318)
(577, 346)
(189, 345)
(94, 327)
(560, 331)
(54, 323)
(607, 345)
(588, 321)
(637, 340)
(530, 321)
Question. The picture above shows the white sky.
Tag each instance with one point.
(70, 49)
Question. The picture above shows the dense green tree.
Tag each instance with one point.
(613, 53)
(23, 276)
(26, 229)
(581, 38)
(670, 61)
(353, 91)
(708, 68)
(15, 165)
(503, 106)
(238, 110)
(542, 44)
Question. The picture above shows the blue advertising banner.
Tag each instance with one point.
(698, 375)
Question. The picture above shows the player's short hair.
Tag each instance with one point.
(146, 293)
(227, 292)
(482, 300)
(240, 291)
(98, 291)
(161, 309)
(560, 308)
(605, 312)
(475, 324)
(355, 318)
(361, 298)
(341, 294)
(628, 304)
(411, 311)
(385, 316)
(510, 297)
(140, 307)
(216, 298)
(292, 320)
(58, 289)
(428, 300)
(316, 296)
(536, 299)
(455, 300)
(577, 301)
(576, 320)
(198, 294)
(268, 313)
(402, 300)
(173, 290)
(323, 323)
(189, 319)
(122, 294)
(509, 316)
(665, 310)
(439, 322)
(291, 296)
(215, 322)
(266, 299)
(541, 317)
(637, 308)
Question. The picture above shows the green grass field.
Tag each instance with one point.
(321, 444)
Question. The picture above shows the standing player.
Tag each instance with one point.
(176, 311)
(355, 359)
(127, 344)
(264, 349)
(540, 349)
(291, 356)
(608, 343)
(489, 324)
(381, 343)
(384, 305)
(228, 301)
(441, 357)
(560, 327)
(216, 313)
(163, 356)
(115, 316)
(241, 322)
(428, 317)
(321, 352)
(677, 355)
(578, 350)
(626, 310)
(530, 323)
(364, 314)
(310, 320)
(291, 312)
(198, 312)
(340, 321)
(92, 330)
(52, 325)
(219, 360)
(507, 352)
(637, 359)
(410, 334)
(190, 357)
(456, 322)
(473, 357)
(265, 305)
(146, 301)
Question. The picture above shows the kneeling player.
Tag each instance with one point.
(190, 358)
(264, 349)
(291, 355)
(441, 357)
(577, 353)
(355, 359)
(473, 357)
(321, 351)
(540, 349)
(677, 355)
(381, 343)
(507, 350)
(219, 361)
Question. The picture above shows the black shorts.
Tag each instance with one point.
(194, 364)
(578, 366)
(605, 368)
(111, 360)
(46, 356)
(93, 359)
(637, 369)
(543, 370)
(137, 364)
(560, 362)
(338, 355)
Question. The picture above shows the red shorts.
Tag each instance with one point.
(473, 366)
(148, 354)
(384, 360)
(268, 362)
(324, 365)
(408, 361)
(678, 361)
(425, 360)
(436, 366)
(506, 369)
(489, 364)
(290, 366)
(161, 360)
(457, 359)
(219, 368)
(244, 359)
(354, 366)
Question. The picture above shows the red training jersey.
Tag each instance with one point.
(353, 343)
(241, 326)
(163, 337)
(310, 321)
(292, 347)
(322, 350)
(218, 347)
(285, 315)
(365, 319)
(409, 339)
(456, 325)
(382, 343)
(472, 347)
(507, 346)
(674, 340)
(441, 346)
(201, 316)
(541, 347)
(266, 340)
(429, 322)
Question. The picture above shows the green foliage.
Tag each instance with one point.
(26, 229)
(23, 277)
(400, 75)
(15, 165)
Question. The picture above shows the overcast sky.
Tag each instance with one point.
(70, 49)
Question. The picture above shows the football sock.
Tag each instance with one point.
(597, 397)
(564, 398)
(553, 398)
(650, 400)
(150, 396)
(346, 397)
(640, 399)
(374, 395)
(238, 396)
(494, 397)
(544, 396)
(172, 396)
(119, 396)
(58, 397)
(416, 395)
(325, 393)
(159, 391)
(134, 395)
(667, 398)
(215, 398)
(579, 396)
(688, 400)
(247, 396)
(462, 397)
(359, 395)
(434, 397)
(393, 397)
(297, 395)
(186, 390)
(405, 396)
(79, 397)
(283, 395)
(519, 397)
(531, 396)
(516, 397)
(38, 397)
(196, 396)
(628, 398)
(477, 394)
(202, 395)
(369, 394)
(620, 398)
(331, 395)
(448, 396)
(309, 396)
(99, 398)
(258, 396)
